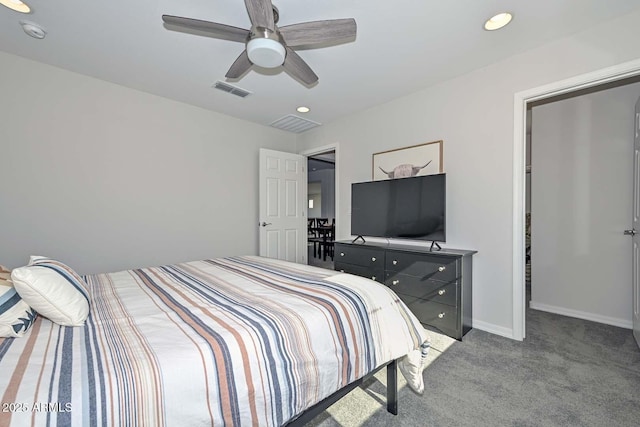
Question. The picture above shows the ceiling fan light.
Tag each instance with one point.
(265, 53)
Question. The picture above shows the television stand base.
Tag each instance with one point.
(432, 244)
(358, 238)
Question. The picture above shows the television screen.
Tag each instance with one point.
(410, 208)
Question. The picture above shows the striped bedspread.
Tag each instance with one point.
(230, 341)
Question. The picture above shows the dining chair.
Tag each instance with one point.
(311, 225)
(313, 236)
(328, 242)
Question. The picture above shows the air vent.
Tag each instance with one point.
(226, 87)
(294, 124)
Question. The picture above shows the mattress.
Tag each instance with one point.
(230, 341)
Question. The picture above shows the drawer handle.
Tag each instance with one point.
(395, 262)
(395, 282)
(441, 315)
(373, 259)
(442, 268)
(442, 292)
(341, 253)
(373, 277)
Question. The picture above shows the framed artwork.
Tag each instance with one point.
(421, 159)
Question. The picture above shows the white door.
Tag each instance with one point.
(636, 226)
(283, 193)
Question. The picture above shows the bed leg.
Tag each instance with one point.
(392, 387)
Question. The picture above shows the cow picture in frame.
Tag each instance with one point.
(421, 159)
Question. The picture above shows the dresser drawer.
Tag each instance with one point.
(441, 316)
(422, 265)
(376, 274)
(444, 293)
(362, 256)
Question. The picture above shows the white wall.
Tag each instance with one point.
(473, 114)
(582, 168)
(107, 178)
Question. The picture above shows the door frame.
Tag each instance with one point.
(319, 150)
(635, 313)
(521, 99)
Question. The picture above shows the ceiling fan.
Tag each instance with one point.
(268, 45)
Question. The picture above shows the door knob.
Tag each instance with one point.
(631, 232)
(264, 224)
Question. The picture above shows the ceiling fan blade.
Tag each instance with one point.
(220, 31)
(319, 32)
(298, 68)
(239, 67)
(260, 13)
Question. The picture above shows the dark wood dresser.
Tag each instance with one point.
(435, 285)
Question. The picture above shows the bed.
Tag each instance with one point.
(229, 341)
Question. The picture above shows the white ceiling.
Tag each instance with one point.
(401, 46)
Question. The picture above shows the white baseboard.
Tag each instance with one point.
(493, 329)
(614, 321)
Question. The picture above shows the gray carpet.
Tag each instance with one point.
(568, 372)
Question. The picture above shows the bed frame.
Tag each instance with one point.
(392, 395)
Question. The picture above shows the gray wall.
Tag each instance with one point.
(327, 180)
(581, 194)
(108, 178)
(474, 115)
(314, 192)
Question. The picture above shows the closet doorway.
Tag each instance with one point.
(578, 202)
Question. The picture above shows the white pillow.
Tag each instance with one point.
(16, 317)
(54, 290)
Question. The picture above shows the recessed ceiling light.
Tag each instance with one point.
(498, 21)
(16, 5)
(303, 109)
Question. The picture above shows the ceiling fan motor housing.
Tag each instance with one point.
(265, 48)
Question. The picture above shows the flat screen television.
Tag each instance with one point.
(406, 208)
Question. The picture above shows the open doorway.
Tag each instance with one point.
(321, 209)
(579, 173)
(526, 169)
